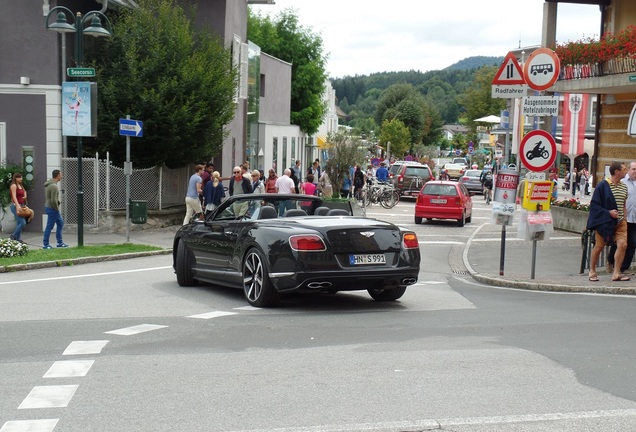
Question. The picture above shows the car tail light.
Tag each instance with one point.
(465, 178)
(307, 243)
(458, 201)
(409, 241)
(401, 179)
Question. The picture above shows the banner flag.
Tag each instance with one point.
(574, 122)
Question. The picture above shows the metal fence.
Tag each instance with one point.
(104, 187)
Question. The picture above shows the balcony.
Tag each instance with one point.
(606, 66)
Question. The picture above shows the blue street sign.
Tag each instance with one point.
(470, 144)
(130, 127)
(458, 152)
(471, 150)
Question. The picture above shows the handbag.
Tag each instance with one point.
(25, 212)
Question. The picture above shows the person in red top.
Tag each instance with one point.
(270, 182)
(18, 199)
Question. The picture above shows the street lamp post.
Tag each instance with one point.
(61, 25)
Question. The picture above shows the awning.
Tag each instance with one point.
(322, 141)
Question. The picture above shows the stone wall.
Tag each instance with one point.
(115, 220)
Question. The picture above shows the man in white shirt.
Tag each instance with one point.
(285, 185)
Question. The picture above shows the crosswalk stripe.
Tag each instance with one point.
(85, 347)
(43, 425)
(57, 396)
(141, 328)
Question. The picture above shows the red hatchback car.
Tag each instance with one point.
(444, 200)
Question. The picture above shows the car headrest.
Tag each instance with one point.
(322, 211)
(295, 212)
(338, 212)
(268, 212)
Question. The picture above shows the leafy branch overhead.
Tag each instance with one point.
(159, 68)
(283, 38)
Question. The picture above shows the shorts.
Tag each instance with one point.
(620, 233)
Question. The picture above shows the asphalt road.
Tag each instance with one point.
(119, 346)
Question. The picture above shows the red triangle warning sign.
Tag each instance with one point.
(509, 72)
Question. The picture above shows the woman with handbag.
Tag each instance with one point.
(18, 205)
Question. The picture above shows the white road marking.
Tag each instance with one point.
(141, 328)
(215, 314)
(69, 368)
(86, 275)
(45, 425)
(247, 308)
(49, 397)
(85, 347)
(439, 424)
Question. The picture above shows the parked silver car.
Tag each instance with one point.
(470, 179)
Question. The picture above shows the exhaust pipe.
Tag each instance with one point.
(408, 281)
(319, 285)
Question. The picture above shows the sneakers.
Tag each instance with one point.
(47, 247)
(62, 245)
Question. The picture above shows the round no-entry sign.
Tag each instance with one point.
(542, 68)
(537, 150)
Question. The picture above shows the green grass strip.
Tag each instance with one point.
(60, 254)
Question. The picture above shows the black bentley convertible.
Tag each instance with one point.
(272, 244)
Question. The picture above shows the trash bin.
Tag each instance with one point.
(138, 212)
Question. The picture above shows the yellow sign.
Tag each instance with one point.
(322, 142)
(536, 195)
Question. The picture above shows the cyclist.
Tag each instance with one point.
(486, 182)
(443, 175)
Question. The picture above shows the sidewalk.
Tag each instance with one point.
(557, 261)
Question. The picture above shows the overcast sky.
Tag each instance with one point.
(366, 36)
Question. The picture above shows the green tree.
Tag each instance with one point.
(478, 100)
(396, 133)
(405, 103)
(345, 150)
(178, 80)
(283, 38)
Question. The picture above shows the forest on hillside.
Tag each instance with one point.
(445, 89)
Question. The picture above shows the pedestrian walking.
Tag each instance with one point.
(607, 212)
(18, 202)
(213, 192)
(193, 205)
(52, 210)
(270, 181)
(630, 215)
(285, 185)
(257, 184)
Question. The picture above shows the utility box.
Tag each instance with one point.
(138, 212)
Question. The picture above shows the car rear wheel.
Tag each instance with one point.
(462, 221)
(183, 266)
(469, 218)
(257, 286)
(418, 220)
(388, 294)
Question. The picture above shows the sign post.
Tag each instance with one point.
(506, 183)
(128, 128)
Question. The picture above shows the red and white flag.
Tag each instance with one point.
(574, 121)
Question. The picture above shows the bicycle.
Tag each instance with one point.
(488, 195)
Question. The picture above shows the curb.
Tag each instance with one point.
(536, 286)
(76, 261)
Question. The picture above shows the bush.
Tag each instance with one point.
(12, 248)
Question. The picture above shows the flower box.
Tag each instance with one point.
(568, 219)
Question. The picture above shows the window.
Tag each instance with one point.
(275, 154)
(262, 85)
(284, 152)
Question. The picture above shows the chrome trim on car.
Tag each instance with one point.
(282, 274)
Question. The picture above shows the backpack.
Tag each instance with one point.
(488, 176)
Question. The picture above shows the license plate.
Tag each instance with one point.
(438, 201)
(367, 259)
